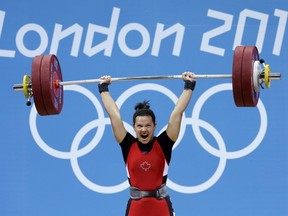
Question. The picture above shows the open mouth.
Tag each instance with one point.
(144, 136)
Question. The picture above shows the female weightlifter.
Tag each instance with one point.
(147, 157)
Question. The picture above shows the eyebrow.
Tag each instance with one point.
(145, 124)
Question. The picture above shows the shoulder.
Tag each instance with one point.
(126, 144)
(166, 145)
(128, 140)
(163, 138)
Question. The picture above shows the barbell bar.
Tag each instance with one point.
(28, 87)
(21, 87)
(46, 83)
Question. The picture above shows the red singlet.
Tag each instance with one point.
(147, 169)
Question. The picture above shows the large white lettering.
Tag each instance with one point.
(145, 39)
(239, 34)
(59, 35)
(160, 34)
(31, 28)
(92, 43)
(263, 18)
(5, 53)
(102, 39)
(106, 45)
(283, 16)
(205, 46)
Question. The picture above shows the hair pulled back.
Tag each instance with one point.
(143, 109)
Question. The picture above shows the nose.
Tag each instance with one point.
(143, 129)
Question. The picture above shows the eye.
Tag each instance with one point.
(139, 126)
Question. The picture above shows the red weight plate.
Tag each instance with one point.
(237, 76)
(52, 93)
(250, 96)
(36, 85)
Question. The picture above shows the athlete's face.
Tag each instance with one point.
(144, 128)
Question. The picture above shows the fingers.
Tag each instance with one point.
(105, 79)
(188, 76)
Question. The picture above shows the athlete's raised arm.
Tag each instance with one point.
(112, 109)
(174, 124)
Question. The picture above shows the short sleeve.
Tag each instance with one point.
(126, 145)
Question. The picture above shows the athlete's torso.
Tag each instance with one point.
(147, 164)
(147, 169)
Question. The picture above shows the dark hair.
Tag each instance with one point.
(143, 109)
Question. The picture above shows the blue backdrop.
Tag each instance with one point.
(227, 161)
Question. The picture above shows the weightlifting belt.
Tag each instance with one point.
(159, 193)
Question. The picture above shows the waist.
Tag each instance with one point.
(159, 193)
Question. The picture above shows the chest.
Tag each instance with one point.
(147, 162)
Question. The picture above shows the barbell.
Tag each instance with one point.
(45, 84)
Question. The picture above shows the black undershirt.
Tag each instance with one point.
(165, 142)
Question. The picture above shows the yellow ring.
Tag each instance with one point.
(26, 81)
(266, 76)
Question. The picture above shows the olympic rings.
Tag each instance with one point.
(214, 178)
(194, 121)
(229, 155)
(75, 166)
(67, 155)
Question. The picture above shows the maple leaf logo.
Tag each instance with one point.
(145, 166)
